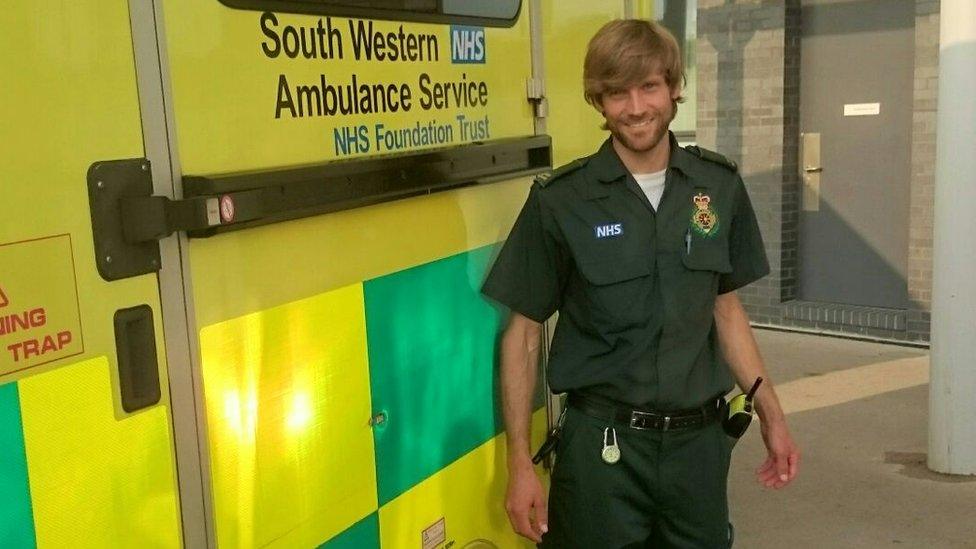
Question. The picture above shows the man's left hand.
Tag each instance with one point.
(783, 461)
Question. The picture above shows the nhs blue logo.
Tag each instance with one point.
(467, 44)
(608, 230)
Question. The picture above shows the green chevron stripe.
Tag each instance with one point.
(16, 516)
(432, 340)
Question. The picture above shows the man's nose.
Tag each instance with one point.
(635, 106)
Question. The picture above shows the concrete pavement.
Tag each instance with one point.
(859, 412)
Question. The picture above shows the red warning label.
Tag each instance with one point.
(33, 320)
(39, 315)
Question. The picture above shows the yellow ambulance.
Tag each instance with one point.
(241, 246)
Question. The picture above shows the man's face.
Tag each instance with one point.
(638, 116)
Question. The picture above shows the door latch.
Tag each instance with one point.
(128, 221)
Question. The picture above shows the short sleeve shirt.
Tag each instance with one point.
(635, 288)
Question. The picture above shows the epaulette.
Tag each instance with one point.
(712, 156)
(545, 179)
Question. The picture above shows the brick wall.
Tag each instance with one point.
(791, 159)
(748, 97)
(923, 168)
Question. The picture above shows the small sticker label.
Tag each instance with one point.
(608, 230)
(227, 209)
(213, 212)
(862, 109)
(434, 535)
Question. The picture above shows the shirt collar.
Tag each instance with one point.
(607, 166)
(680, 159)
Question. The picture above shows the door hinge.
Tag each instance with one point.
(535, 90)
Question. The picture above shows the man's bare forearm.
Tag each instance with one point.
(519, 357)
(742, 354)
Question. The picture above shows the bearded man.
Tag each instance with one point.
(640, 248)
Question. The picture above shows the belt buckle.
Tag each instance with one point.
(644, 421)
(639, 420)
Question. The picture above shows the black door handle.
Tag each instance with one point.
(135, 344)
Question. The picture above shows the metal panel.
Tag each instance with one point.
(538, 66)
(98, 476)
(253, 289)
(108, 183)
(854, 247)
(810, 168)
(575, 125)
(175, 284)
(127, 219)
(271, 196)
(848, 315)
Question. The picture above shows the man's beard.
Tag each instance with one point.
(660, 131)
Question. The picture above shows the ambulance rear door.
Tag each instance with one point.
(347, 174)
(86, 443)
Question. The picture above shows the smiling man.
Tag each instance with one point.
(640, 247)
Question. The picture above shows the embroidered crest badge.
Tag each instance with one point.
(704, 219)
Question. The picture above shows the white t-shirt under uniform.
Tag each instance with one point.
(653, 186)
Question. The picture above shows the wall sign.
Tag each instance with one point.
(862, 109)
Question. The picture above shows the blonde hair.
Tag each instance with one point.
(623, 52)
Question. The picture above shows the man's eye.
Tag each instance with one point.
(650, 86)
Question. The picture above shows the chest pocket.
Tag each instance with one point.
(707, 254)
(617, 289)
(698, 281)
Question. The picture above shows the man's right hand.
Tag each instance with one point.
(526, 502)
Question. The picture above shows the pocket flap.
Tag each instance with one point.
(617, 269)
(708, 257)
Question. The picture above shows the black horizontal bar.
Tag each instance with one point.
(311, 7)
(279, 195)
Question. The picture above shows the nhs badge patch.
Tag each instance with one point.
(609, 230)
(467, 44)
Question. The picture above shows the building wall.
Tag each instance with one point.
(923, 167)
(748, 109)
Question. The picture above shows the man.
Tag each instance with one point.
(640, 247)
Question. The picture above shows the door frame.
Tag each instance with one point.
(175, 282)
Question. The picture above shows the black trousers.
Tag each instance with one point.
(667, 491)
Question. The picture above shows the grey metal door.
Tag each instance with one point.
(856, 89)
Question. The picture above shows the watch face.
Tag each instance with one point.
(226, 209)
(611, 454)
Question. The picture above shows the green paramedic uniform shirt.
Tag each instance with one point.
(635, 289)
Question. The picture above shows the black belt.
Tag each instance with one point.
(648, 420)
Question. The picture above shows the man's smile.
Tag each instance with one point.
(639, 124)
